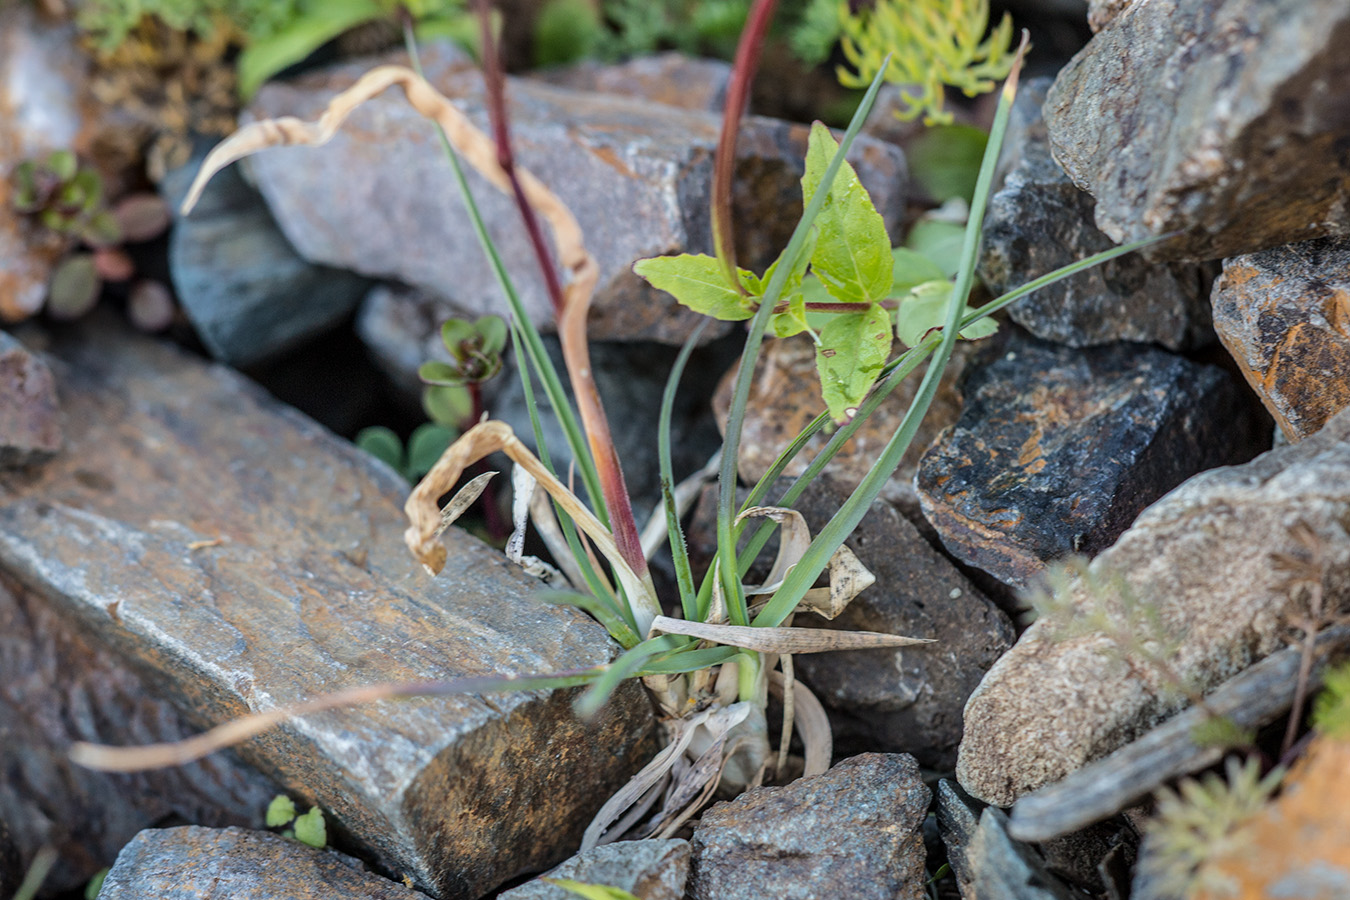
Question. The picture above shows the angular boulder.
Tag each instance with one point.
(1211, 561)
(649, 870)
(1223, 119)
(244, 559)
(1284, 315)
(380, 198)
(30, 418)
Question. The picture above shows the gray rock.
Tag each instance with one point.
(670, 78)
(380, 197)
(1284, 315)
(854, 832)
(244, 559)
(1101, 12)
(248, 294)
(1202, 558)
(649, 870)
(987, 863)
(192, 863)
(58, 686)
(30, 417)
(1040, 221)
(902, 700)
(1057, 450)
(1223, 119)
(42, 72)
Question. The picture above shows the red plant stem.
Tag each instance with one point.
(571, 321)
(724, 164)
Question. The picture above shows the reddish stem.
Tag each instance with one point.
(724, 165)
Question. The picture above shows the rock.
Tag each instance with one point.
(1057, 450)
(649, 870)
(243, 559)
(1223, 119)
(1040, 221)
(1202, 558)
(1101, 12)
(854, 832)
(1284, 315)
(402, 329)
(192, 863)
(246, 291)
(988, 863)
(380, 197)
(902, 700)
(30, 418)
(42, 72)
(670, 78)
(785, 396)
(56, 686)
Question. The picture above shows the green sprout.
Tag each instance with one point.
(308, 828)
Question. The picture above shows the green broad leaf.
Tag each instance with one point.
(382, 444)
(945, 160)
(459, 28)
(310, 829)
(62, 164)
(280, 811)
(697, 281)
(492, 334)
(911, 270)
(940, 242)
(95, 884)
(849, 357)
(852, 255)
(436, 372)
(590, 891)
(925, 309)
(262, 59)
(793, 320)
(425, 446)
(447, 404)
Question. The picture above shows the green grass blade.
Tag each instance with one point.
(684, 575)
(726, 499)
(690, 661)
(626, 666)
(841, 525)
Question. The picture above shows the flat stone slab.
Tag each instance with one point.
(1284, 314)
(381, 199)
(30, 422)
(649, 870)
(193, 863)
(243, 558)
(1219, 561)
(854, 831)
(670, 78)
(58, 685)
(1057, 450)
(1223, 119)
(1040, 221)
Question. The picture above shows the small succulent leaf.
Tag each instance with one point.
(697, 281)
(441, 373)
(311, 829)
(447, 404)
(74, 287)
(492, 334)
(590, 891)
(852, 256)
(383, 444)
(425, 445)
(280, 811)
(912, 269)
(455, 333)
(53, 219)
(849, 357)
(25, 198)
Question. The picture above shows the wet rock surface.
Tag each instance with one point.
(1040, 221)
(193, 863)
(57, 686)
(1203, 557)
(649, 870)
(30, 417)
(245, 559)
(1224, 119)
(785, 396)
(1057, 450)
(909, 699)
(851, 832)
(380, 197)
(1284, 315)
(248, 294)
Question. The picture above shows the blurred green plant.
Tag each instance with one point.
(933, 44)
(307, 828)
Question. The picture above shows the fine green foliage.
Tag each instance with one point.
(1331, 709)
(64, 196)
(109, 22)
(590, 891)
(280, 812)
(1201, 820)
(934, 43)
(308, 828)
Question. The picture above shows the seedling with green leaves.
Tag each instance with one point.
(711, 670)
(307, 828)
